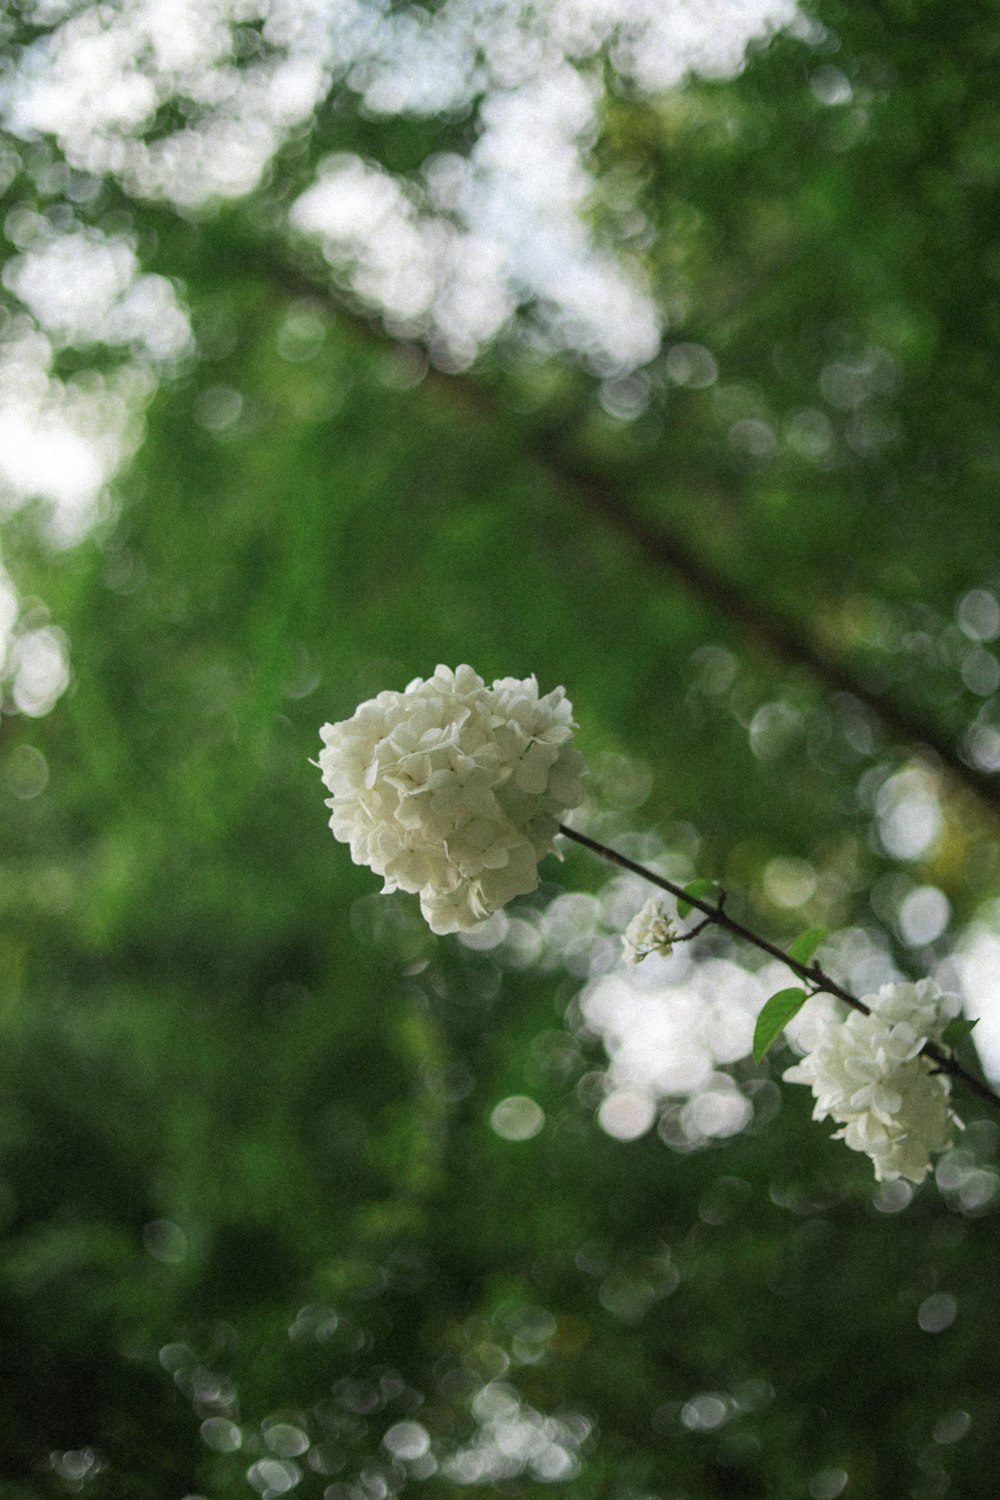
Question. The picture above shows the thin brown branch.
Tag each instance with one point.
(813, 974)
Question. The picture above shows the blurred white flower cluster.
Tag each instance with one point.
(650, 931)
(454, 790)
(869, 1074)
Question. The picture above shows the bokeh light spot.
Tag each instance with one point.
(517, 1118)
(937, 1312)
(626, 1114)
(407, 1440)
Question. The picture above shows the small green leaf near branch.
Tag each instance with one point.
(699, 889)
(956, 1031)
(805, 944)
(774, 1017)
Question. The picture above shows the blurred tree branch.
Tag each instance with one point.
(587, 486)
(603, 497)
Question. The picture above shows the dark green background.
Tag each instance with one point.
(207, 1018)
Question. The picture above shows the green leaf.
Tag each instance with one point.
(774, 1017)
(957, 1031)
(806, 943)
(698, 889)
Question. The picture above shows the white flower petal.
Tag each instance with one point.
(870, 1075)
(453, 789)
(649, 931)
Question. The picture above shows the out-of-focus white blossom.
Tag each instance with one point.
(454, 790)
(649, 931)
(869, 1074)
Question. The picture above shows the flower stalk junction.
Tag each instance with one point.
(815, 976)
(455, 791)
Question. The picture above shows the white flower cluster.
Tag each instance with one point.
(868, 1073)
(454, 790)
(649, 931)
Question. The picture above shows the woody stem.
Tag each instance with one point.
(812, 973)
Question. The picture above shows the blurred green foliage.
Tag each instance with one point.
(253, 1213)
